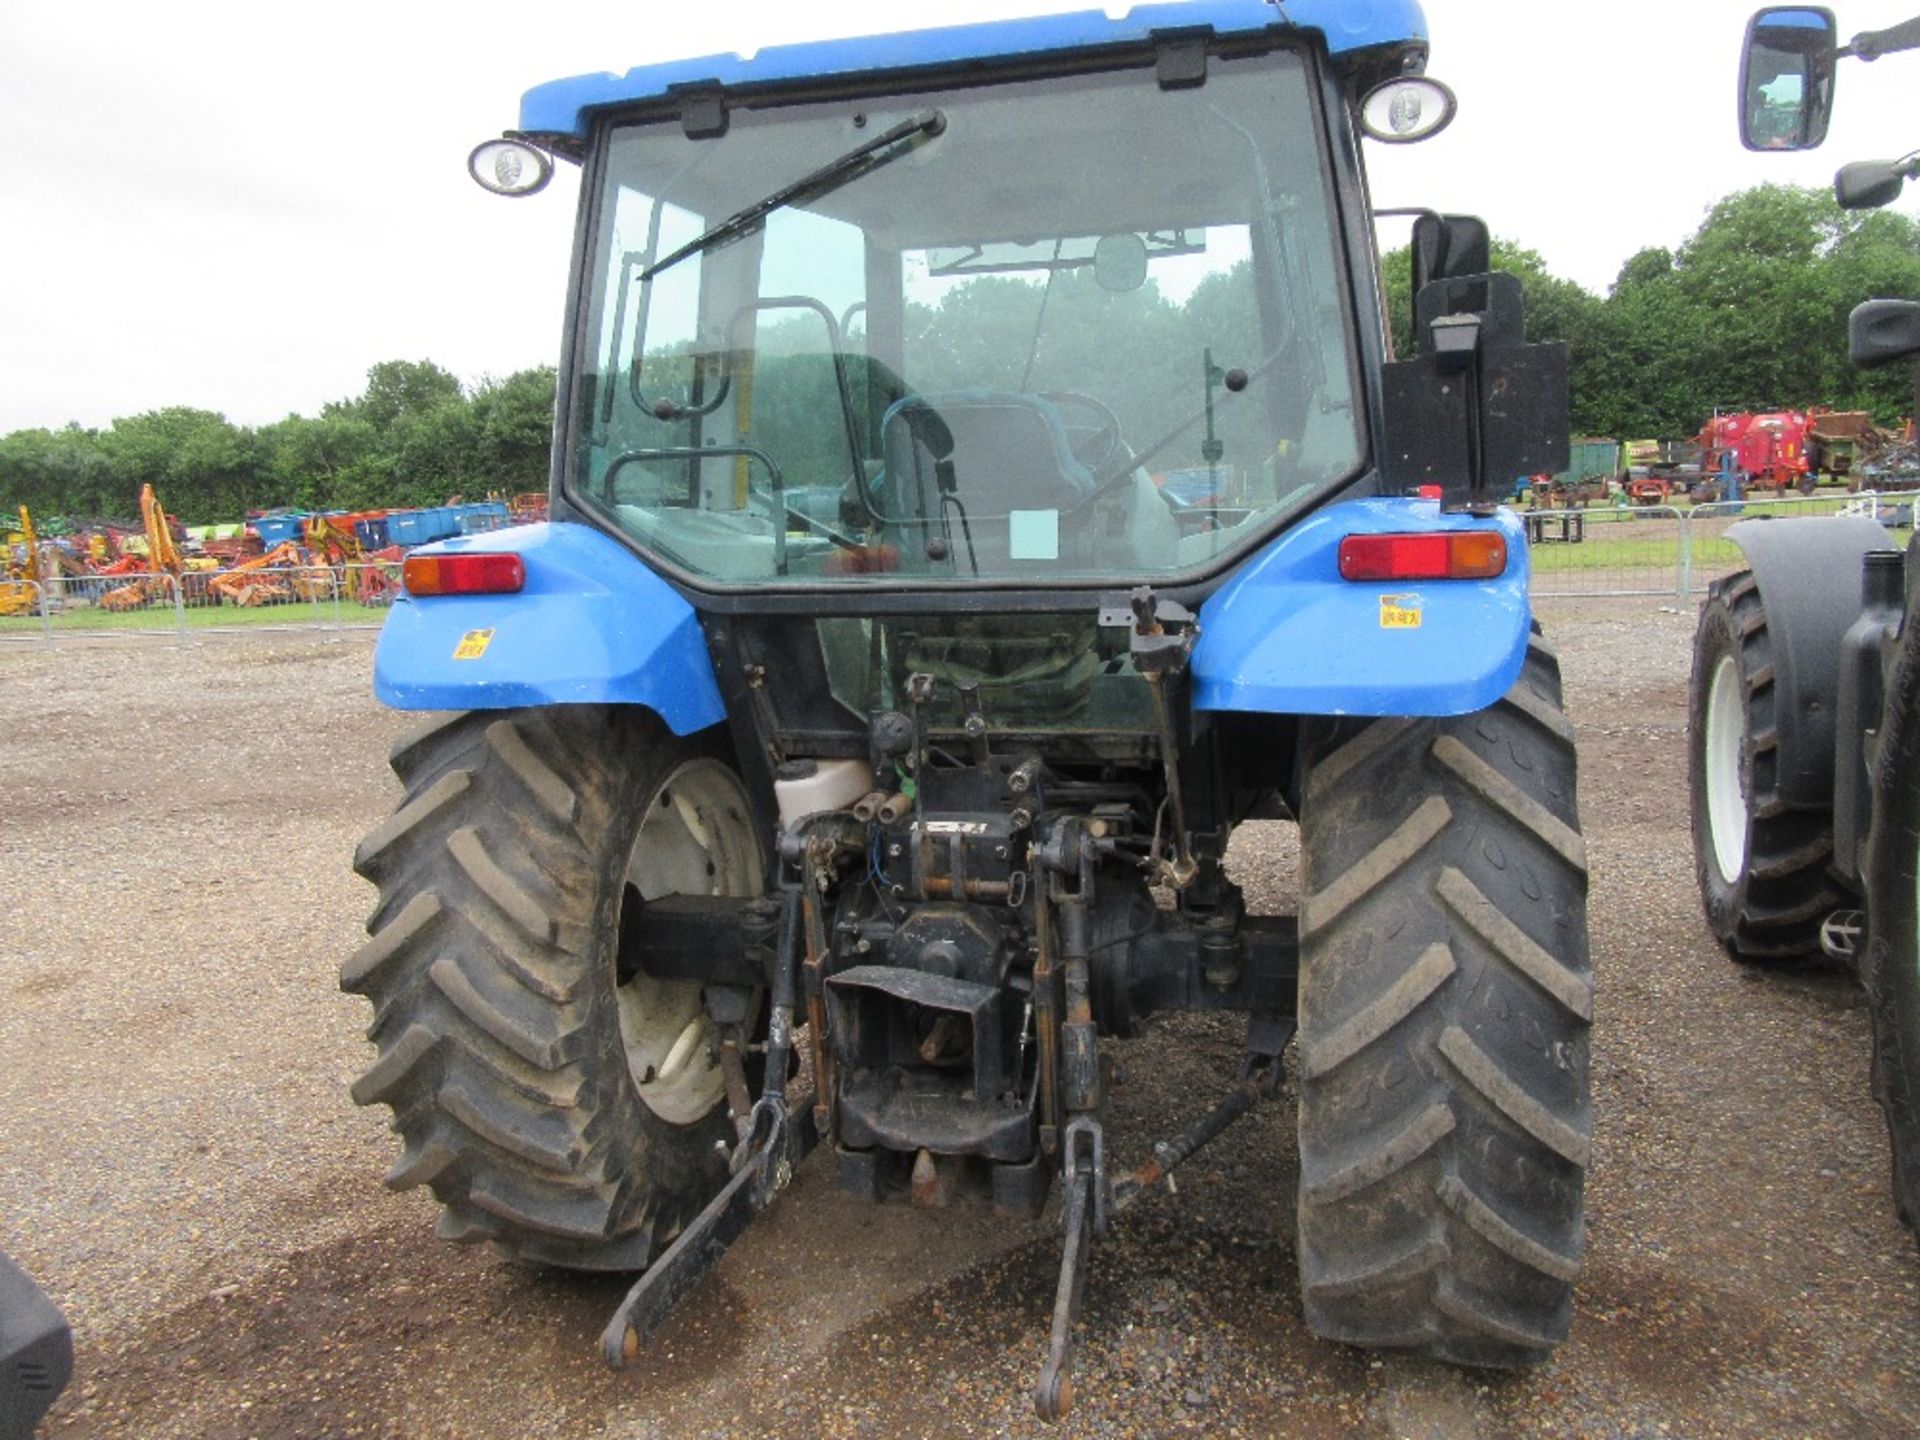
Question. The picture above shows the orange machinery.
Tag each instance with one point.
(262, 580)
(163, 565)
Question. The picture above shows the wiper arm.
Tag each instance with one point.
(849, 167)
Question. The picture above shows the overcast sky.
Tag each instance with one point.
(241, 206)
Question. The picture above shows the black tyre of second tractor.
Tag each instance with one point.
(1445, 1001)
(1891, 968)
(1762, 866)
(526, 1066)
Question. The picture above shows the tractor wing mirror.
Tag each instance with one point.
(1446, 246)
(1786, 78)
(1880, 332)
(1869, 184)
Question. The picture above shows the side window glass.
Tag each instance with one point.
(799, 357)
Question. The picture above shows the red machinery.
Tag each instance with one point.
(1769, 449)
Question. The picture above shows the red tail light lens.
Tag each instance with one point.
(463, 574)
(1432, 555)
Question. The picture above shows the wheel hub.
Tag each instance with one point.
(1726, 781)
(695, 838)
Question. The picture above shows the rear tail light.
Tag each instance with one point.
(476, 574)
(1430, 555)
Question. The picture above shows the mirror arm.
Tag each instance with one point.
(1872, 44)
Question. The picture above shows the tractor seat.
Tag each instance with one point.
(1010, 452)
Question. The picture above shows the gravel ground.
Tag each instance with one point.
(183, 1170)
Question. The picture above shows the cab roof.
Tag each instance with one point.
(565, 107)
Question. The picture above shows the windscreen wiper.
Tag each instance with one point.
(887, 146)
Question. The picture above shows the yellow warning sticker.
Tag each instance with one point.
(1399, 612)
(474, 644)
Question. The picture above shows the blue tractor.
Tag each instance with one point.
(853, 757)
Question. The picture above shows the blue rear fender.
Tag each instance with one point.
(1287, 635)
(592, 625)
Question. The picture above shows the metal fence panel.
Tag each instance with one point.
(271, 597)
(1664, 550)
(1596, 552)
(24, 609)
(130, 604)
(1711, 555)
(1606, 550)
(370, 587)
(281, 596)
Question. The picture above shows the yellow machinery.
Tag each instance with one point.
(335, 545)
(19, 590)
(333, 548)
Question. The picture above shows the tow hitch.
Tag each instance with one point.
(1092, 1200)
(765, 1160)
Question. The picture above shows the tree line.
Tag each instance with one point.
(414, 436)
(1748, 313)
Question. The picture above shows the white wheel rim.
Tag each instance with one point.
(696, 838)
(1726, 784)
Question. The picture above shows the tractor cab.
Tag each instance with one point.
(944, 347)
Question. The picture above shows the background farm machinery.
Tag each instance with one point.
(1800, 450)
(20, 569)
(1736, 454)
(273, 558)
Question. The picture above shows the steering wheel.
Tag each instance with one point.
(1107, 478)
(1094, 446)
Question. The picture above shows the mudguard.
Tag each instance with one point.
(1808, 570)
(1287, 635)
(593, 625)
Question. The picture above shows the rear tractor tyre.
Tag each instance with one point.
(555, 1100)
(1892, 965)
(1445, 1001)
(1762, 866)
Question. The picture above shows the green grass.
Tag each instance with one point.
(1711, 555)
(93, 620)
(1622, 539)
